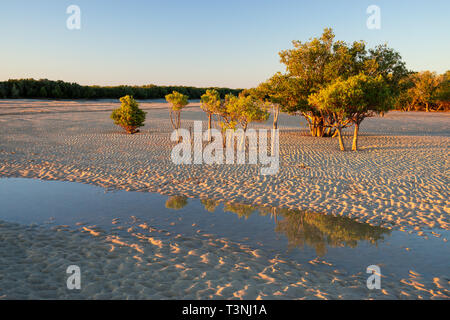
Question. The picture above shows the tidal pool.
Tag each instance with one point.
(140, 245)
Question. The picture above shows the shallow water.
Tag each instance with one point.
(296, 236)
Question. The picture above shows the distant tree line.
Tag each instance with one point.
(43, 89)
(424, 91)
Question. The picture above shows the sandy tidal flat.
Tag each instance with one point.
(399, 179)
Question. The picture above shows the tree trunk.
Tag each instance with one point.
(242, 142)
(317, 128)
(178, 125)
(224, 138)
(320, 128)
(313, 130)
(276, 111)
(272, 143)
(172, 119)
(355, 137)
(209, 127)
(341, 142)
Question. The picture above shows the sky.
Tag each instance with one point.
(232, 43)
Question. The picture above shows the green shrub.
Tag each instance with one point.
(129, 116)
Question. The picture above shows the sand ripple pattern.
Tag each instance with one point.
(394, 181)
(136, 261)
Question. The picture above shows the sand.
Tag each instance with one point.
(399, 179)
(134, 260)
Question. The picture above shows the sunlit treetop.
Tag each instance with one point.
(177, 100)
(210, 101)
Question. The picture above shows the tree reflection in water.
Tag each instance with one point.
(312, 229)
(210, 205)
(242, 210)
(319, 230)
(176, 202)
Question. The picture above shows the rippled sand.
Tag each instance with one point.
(399, 179)
(134, 260)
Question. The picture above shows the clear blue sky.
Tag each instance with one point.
(231, 43)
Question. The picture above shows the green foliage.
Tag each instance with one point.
(242, 110)
(210, 101)
(56, 92)
(228, 119)
(247, 109)
(358, 94)
(43, 92)
(442, 95)
(350, 100)
(388, 63)
(404, 100)
(2, 91)
(320, 61)
(316, 64)
(280, 90)
(15, 92)
(177, 100)
(377, 97)
(425, 88)
(424, 91)
(129, 116)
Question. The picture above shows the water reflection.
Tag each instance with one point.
(190, 242)
(28, 201)
(242, 210)
(319, 230)
(308, 228)
(176, 202)
(210, 205)
(273, 231)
